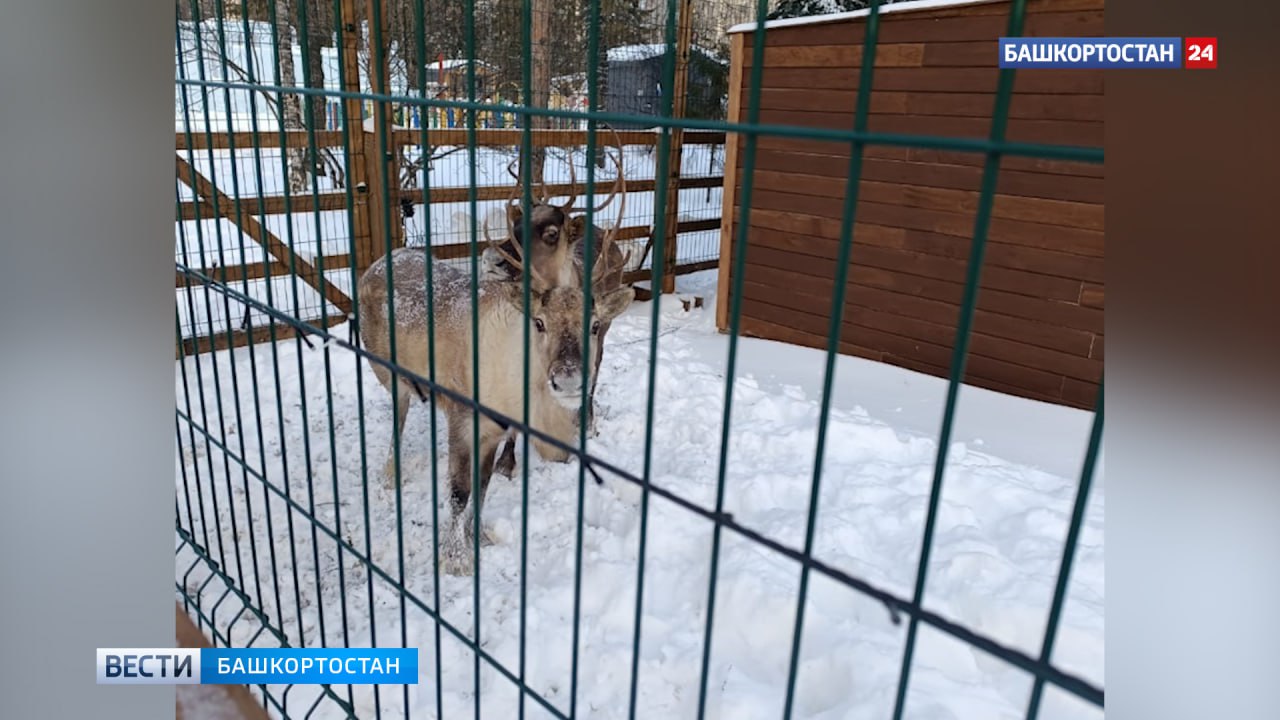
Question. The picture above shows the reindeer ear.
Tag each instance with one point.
(514, 214)
(513, 292)
(611, 304)
(577, 227)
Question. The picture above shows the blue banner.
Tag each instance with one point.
(1091, 52)
(309, 666)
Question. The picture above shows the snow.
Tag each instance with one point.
(627, 53)
(855, 14)
(205, 702)
(1010, 484)
(370, 124)
(459, 62)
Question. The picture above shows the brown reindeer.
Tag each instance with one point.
(615, 262)
(555, 361)
(553, 226)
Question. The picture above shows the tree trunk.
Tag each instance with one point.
(319, 34)
(292, 115)
(404, 29)
(541, 71)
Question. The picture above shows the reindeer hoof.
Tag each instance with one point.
(487, 538)
(389, 475)
(504, 468)
(458, 548)
(457, 564)
(506, 462)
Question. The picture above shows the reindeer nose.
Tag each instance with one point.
(567, 383)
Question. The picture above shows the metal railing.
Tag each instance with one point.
(243, 594)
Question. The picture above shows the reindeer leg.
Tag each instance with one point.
(506, 463)
(595, 376)
(459, 465)
(402, 412)
(455, 555)
(457, 558)
(490, 436)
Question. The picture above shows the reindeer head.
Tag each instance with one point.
(556, 318)
(547, 255)
(553, 230)
(557, 336)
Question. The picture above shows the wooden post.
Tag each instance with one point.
(680, 94)
(264, 237)
(384, 199)
(539, 40)
(353, 119)
(380, 201)
(737, 51)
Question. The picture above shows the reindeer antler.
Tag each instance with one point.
(602, 268)
(619, 189)
(544, 196)
(622, 203)
(514, 198)
(620, 183)
(516, 255)
(567, 206)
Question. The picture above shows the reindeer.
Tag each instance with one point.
(555, 357)
(555, 264)
(553, 226)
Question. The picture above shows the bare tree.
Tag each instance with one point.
(290, 102)
(205, 44)
(320, 34)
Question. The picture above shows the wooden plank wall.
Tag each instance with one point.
(1038, 329)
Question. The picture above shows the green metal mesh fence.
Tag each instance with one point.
(268, 249)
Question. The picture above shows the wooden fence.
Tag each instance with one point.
(368, 237)
(1038, 329)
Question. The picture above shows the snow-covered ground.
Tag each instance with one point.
(1010, 484)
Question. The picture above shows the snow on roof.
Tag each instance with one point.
(855, 14)
(458, 62)
(626, 53)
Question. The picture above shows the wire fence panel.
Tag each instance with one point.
(381, 331)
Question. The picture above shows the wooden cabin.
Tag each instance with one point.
(1038, 329)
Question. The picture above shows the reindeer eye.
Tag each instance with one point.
(542, 327)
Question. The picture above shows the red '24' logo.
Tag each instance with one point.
(1200, 53)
